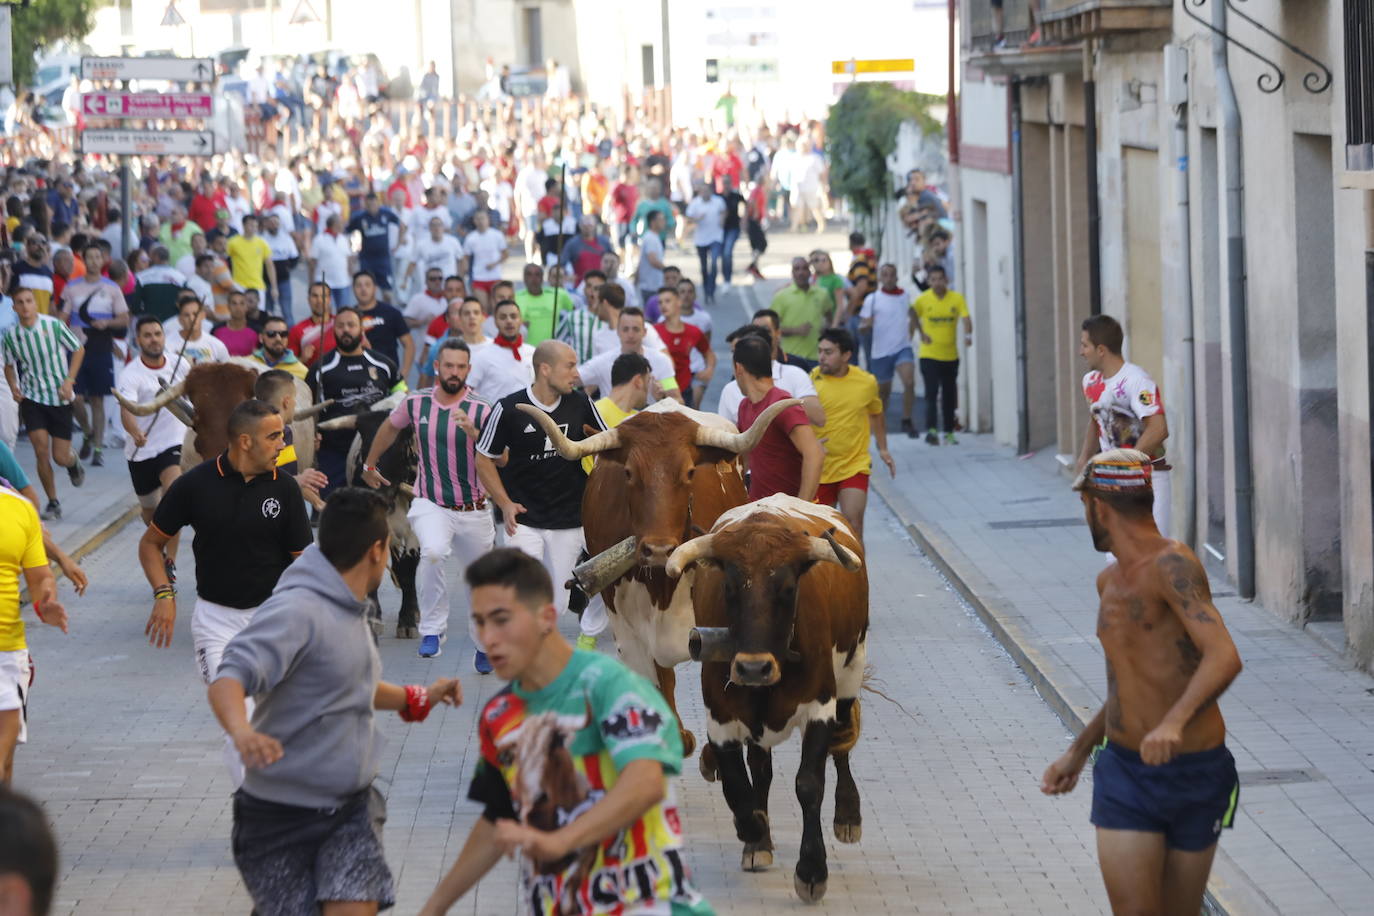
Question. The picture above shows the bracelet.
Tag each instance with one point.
(417, 704)
(369, 467)
(164, 591)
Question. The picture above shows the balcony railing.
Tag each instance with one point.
(982, 30)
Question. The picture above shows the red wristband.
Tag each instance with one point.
(417, 704)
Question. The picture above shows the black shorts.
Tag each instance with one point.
(95, 378)
(1189, 799)
(292, 859)
(55, 421)
(758, 241)
(147, 474)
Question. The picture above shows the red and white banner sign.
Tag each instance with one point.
(147, 104)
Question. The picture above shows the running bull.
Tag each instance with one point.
(662, 475)
(781, 599)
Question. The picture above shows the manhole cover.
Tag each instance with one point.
(1277, 777)
(1038, 523)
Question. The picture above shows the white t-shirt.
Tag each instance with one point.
(709, 217)
(496, 373)
(423, 305)
(331, 254)
(606, 340)
(650, 277)
(789, 378)
(596, 372)
(891, 314)
(205, 349)
(204, 292)
(700, 318)
(443, 254)
(139, 383)
(1120, 404)
(419, 218)
(161, 274)
(482, 249)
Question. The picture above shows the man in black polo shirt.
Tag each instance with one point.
(538, 493)
(355, 379)
(249, 522)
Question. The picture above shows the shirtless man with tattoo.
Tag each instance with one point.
(1164, 784)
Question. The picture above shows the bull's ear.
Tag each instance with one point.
(589, 430)
(697, 530)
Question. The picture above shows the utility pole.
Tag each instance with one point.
(667, 65)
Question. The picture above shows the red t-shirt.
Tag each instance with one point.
(546, 205)
(680, 344)
(202, 212)
(774, 464)
(308, 332)
(624, 199)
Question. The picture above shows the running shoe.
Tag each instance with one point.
(932, 438)
(755, 272)
(480, 663)
(429, 647)
(53, 512)
(724, 289)
(586, 642)
(77, 473)
(908, 429)
(950, 440)
(86, 447)
(98, 459)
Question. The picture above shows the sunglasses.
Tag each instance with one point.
(274, 333)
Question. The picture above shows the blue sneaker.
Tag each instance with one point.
(480, 663)
(429, 647)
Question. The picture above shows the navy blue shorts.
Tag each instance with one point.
(380, 270)
(95, 377)
(1189, 799)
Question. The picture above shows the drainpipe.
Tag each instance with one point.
(1094, 206)
(1176, 63)
(1239, 337)
(1018, 284)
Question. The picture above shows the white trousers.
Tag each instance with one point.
(212, 626)
(440, 532)
(9, 417)
(1162, 483)
(558, 549)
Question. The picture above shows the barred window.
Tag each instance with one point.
(1359, 85)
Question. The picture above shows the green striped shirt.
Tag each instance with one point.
(446, 472)
(576, 328)
(41, 355)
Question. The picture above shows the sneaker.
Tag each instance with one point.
(950, 440)
(77, 473)
(724, 289)
(586, 642)
(932, 438)
(480, 663)
(171, 566)
(86, 446)
(98, 459)
(755, 272)
(1000, 43)
(429, 647)
(53, 512)
(908, 428)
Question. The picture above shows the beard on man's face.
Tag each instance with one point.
(345, 340)
(452, 384)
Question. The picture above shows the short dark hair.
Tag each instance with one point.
(27, 847)
(202, 258)
(273, 384)
(247, 416)
(613, 295)
(593, 273)
(842, 339)
(348, 308)
(773, 317)
(689, 282)
(353, 520)
(364, 273)
(497, 307)
(1135, 504)
(513, 568)
(935, 269)
(634, 311)
(856, 239)
(628, 366)
(749, 330)
(454, 343)
(183, 299)
(1104, 331)
(145, 319)
(667, 289)
(274, 319)
(755, 356)
(649, 217)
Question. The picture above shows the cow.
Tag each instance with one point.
(781, 599)
(397, 464)
(659, 474)
(213, 390)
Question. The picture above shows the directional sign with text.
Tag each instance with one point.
(903, 65)
(147, 105)
(180, 69)
(149, 142)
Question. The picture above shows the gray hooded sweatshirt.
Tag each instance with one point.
(309, 661)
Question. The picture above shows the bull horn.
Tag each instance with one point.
(739, 443)
(349, 421)
(407, 489)
(685, 555)
(573, 451)
(148, 408)
(825, 549)
(183, 412)
(309, 413)
(710, 644)
(595, 575)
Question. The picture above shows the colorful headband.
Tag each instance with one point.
(1121, 471)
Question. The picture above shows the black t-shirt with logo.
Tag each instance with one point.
(536, 476)
(247, 532)
(354, 383)
(384, 326)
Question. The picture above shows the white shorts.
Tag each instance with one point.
(212, 626)
(16, 676)
(558, 549)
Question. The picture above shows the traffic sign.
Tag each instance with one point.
(149, 142)
(903, 65)
(147, 104)
(180, 69)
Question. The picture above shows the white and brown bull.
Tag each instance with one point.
(207, 395)
(661, 476)
(781, 599)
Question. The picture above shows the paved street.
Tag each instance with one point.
(126, 758)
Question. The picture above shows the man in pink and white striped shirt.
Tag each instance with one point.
(450, 504)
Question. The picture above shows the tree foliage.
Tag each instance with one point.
(861, 132)
(43, 23)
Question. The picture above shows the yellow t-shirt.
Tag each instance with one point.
(848, 400)
(21, 548)
(940, 320)
(248, 257)
(613, 416)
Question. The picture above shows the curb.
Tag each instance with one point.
(108, 531)
(1229, 890)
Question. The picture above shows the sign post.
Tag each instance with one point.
(149, 142)
(175, 69)
(178, 105)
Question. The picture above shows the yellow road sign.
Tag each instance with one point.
(904, 65)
